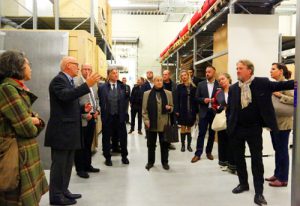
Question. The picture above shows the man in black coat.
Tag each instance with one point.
(112, 99)
(127, 91)
(250, 109)
(170, 86)
(204, 97)
(136, 101)
(195, 79)
(63, 133)
(149, 81)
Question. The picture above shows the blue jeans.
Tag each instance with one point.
(203, 124)
(280, 145)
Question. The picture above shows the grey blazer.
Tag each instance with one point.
(85, 99)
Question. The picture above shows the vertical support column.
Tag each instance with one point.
(56, 14)
(92, 19)
(177, 64)
(280, 49)
(34, 14)
(296, 145)
(195, 55)
(231, 7)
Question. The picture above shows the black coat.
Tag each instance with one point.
(136, 98)
(261, 89)
(146, 86)
(201, 94)
(104, 103)
(64, 127)
(186, 116)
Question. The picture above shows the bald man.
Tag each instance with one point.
(63, 133)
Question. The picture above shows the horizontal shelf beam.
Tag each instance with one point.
(219, 54)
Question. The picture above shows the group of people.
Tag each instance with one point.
(76, 104)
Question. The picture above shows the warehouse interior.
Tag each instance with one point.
(136, 36)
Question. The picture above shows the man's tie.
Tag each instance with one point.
(72, 83)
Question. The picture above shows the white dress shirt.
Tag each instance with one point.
(210, 87)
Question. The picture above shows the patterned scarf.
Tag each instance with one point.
(246, 96)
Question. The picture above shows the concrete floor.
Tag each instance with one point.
(202, 183)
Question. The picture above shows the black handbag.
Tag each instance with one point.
(171, 132)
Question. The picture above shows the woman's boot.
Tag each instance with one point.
(189, 140)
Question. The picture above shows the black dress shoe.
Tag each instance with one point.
(240, 188)
(69, 195)
(108, 163)
(130, 131)
(62, 201)
(92, 169)
(260, 200)
(148, 166)
(140, 132)
(166, 166)
(125, 161)
(83, 174)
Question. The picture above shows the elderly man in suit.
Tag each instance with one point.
(83, 157)
(63, 132)
(204, 96)
(250, 97)
(112, 98)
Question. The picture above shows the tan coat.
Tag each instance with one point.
(285, 123)
(162, 119)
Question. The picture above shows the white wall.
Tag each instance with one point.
(287, 25)
(254, 37)
(153, 33)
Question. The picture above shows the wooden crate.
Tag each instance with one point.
(82, 46)
(100, 62)
(78, 9)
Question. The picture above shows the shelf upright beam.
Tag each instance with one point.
(195, 54)
(34, 14)
(92, 19)
(177, 64)
(56, 14)
(296, 145)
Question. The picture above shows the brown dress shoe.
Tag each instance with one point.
(271, 179)
(210, 156)
(278, 183)
(195, 159)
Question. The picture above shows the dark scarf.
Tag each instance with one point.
(152, 106)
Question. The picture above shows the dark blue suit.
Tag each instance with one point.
(63, 133)
(113, 124)
(248, 128)
(206, 117)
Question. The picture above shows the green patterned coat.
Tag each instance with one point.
(15, 121)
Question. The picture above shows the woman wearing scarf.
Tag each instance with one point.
(157, 105)
(279, 72)
(17, 120)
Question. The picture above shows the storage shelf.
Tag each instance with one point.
(204, 33)
(67, 24)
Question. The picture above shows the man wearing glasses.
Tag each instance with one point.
(63, 133)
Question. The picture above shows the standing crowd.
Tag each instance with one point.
(237, 113)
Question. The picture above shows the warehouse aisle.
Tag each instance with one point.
(186, 184)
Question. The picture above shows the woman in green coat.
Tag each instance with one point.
(17, 120)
